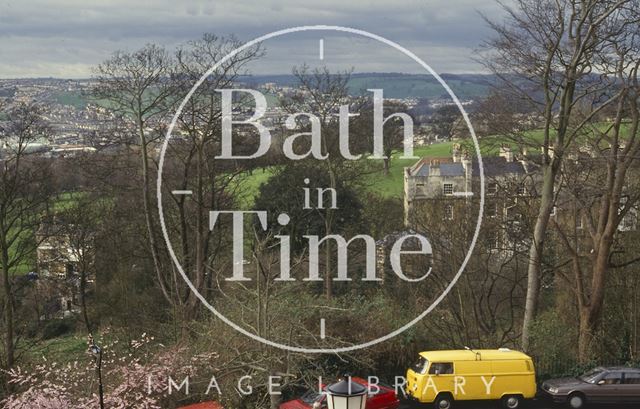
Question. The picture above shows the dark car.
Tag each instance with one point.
(601, 385)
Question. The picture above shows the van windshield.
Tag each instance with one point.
(421, 365)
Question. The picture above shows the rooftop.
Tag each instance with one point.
(493, 166)
(471, 355)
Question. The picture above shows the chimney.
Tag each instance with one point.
(506, 153)
(551, 151)
(457, 152)
(468, 171)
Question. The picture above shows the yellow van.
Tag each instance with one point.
(442, 377)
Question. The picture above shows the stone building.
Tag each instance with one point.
(458, 177)
(449, 187)
(64, 257)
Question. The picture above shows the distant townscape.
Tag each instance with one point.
(79, 122)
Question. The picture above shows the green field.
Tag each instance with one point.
(64, 201)
(62, 349)
(75, 99)
(392, 185)
(60, 203)
(80, 100)
(377, 182)
(250, 185)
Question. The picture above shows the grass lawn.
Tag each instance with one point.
(388, 186)
(250, 185)
(392, 185)
(27, 264)
(60, 203)
(23, 268)
(62, 349)
(64, 201)
(75, 99)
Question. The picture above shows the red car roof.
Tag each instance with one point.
(203, 405)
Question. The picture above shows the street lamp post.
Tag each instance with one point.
(96, 351)
(346, 394)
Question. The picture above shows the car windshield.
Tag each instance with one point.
(421, 365)
(591, 376)
(311, 397)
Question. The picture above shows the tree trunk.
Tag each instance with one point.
(201, 237)
(591, 312)
(8, 316)
(329, 230)
(386, 165)
(83, 301)
(8, 308)
(535, 254)
(147, 211)
(586, 335)
(328, 283)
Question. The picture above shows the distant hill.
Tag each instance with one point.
(395, 85)
(398, 85)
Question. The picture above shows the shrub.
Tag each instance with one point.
(57, 328)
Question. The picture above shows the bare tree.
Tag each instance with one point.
(80, 225)
(143, 87)
(485, 306)
(544, 53)
(322, 93)
(214, 182)
(25, 190)
(601, 183)
(444, 121)
(393, 130)
(136, 86)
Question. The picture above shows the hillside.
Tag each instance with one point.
(377, 182)
(395, 85)
(398, 85)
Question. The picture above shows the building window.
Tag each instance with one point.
(447, 188)
(493, 241)
(492, 209)
(448, 212)
(521, 190)
(630, 221)
(492, 188)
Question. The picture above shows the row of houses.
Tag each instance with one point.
(452, 185)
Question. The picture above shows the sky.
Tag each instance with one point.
(66, 38)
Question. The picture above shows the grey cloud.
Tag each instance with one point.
(67, 37)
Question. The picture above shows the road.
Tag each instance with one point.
(529, 405)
